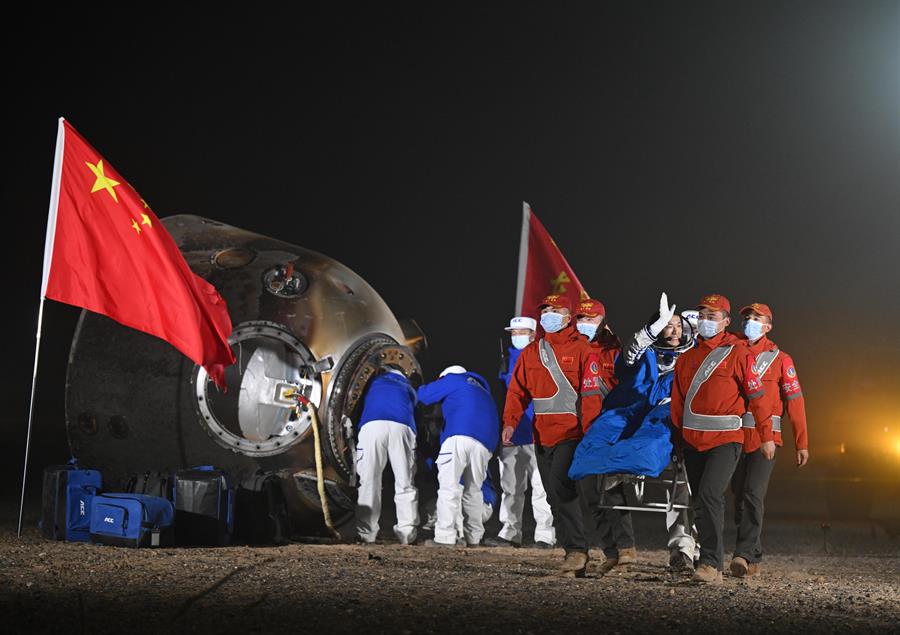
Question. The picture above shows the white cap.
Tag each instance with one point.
(456, 370)
(522, 323)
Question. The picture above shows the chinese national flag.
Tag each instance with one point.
(106, 251)
(543, 269)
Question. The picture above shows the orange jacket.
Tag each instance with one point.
(531, 380)
(783, 394)
(601, 367)
(732, 389)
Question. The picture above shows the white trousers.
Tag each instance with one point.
(431, 515)
(682, 537)
(518, 467)
(381, 442)
(460, 457)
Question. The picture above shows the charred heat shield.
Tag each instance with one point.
(303, 324)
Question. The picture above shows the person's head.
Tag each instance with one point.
(714, 315)
(521, 331)
(672, 332)
(676, 337)
(590, 317)
(453, 370)
(757, 320)
(556, 313)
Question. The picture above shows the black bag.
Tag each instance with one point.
(66, 501)
(204, 507)
(151, 483)
(261, 516)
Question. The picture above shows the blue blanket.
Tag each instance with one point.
(632, 433)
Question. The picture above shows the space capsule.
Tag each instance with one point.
(303, 324)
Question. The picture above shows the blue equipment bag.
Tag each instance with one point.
(204, 506)
(131, 520)
(66, 502)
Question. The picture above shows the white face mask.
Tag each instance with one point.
(708, 328)
(753, 330)
(587, 329)
(521, 341)
(552, 322)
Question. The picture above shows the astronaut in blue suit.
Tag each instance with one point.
(632, 433)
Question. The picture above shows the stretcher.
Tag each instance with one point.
(673, 481)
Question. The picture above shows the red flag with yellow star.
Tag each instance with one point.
(106, 251)
(543, 270)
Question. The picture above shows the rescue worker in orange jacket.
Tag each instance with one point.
(551, 374)
(590, 320)
(615, 530)
(751, 478)
(713, 387)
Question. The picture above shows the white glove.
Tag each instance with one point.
(665, 314)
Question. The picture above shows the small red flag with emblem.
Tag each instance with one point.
(106, 251)
(543, 269)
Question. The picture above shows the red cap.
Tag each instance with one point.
(590, 308)
(715, 302)
(556, 302)
(758, 307)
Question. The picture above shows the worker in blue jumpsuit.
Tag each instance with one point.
(470, 435)
(387, 434)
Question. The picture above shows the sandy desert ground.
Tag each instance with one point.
(849, 582)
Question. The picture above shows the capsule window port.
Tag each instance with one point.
(117, 426)
(233, 258)
(87, 423)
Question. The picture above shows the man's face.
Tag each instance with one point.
(584, 319)
(715, 316)
(672, 332)
(527, 332)
(759, 317)
(564, 312)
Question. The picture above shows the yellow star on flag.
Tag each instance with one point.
(103, 182)
(560, 282)
(145, 204)
(135, 226)
(146, 221)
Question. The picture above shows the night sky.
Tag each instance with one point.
(750, 149)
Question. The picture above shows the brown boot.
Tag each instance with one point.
(574, 565)
(740, 567)
(754, 568)
(707, 575)
(607, 565)
(627, 556)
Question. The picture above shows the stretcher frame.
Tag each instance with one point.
(638, 483)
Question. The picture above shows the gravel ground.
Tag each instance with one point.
(850, 584)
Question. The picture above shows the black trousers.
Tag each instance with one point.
(749, 485)
(709, 474)
(563, 493)
(614, 527)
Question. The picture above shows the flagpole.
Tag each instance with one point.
(37, 349)
(523, 258)
(48, 256)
